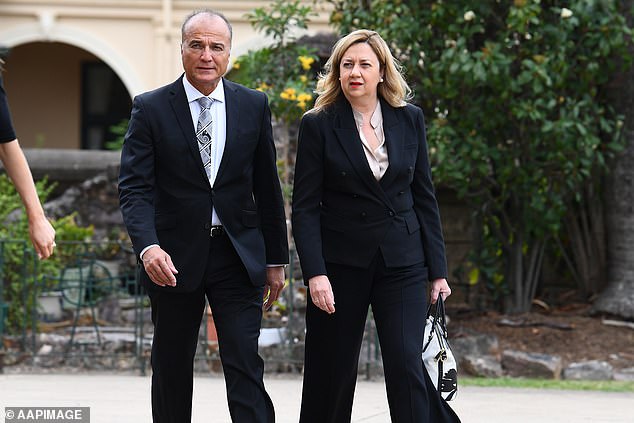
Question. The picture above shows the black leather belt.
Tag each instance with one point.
(216, 231)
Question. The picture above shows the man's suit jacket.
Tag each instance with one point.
(342, 214)
(165, 195)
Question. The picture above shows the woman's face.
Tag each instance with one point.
(360, 72)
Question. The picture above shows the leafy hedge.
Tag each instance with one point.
(519, 122)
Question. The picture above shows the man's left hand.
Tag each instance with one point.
(274, 285)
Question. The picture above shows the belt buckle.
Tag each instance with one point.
(215, 231)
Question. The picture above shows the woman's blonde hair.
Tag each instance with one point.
(393, 89)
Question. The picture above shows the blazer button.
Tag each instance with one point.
(212, 192)
(343, 173)
(363, 215)
(391, 213)
(355, 195)
(207, 225)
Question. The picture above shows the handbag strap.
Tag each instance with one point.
(440, 313)
(437, 313)
(438, 322)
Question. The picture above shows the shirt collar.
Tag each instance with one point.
(375, 120)
(193, 94)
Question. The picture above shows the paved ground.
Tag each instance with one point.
(123, 399)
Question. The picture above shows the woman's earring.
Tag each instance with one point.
(381, 80)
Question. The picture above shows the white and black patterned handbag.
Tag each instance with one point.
(437, 355)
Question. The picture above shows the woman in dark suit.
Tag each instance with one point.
(367, 230)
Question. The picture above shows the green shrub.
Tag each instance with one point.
(519, 119)
(21, 271)
(284, 70)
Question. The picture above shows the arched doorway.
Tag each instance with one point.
(62, 96)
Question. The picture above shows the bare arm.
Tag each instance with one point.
(41, 232)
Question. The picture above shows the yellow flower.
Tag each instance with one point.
(236, 65)
(263, 86)
(288, 94)
(306, 62)
(304, 97)
(303, 78)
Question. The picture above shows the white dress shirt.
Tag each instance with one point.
(219, 127)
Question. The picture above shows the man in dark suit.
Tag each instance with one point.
(202, 203)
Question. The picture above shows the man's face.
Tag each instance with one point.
(205, 51)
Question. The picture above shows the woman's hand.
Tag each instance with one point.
(42, 236)
(321, 293)
(439, 286)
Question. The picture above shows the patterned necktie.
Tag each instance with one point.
(204, 133)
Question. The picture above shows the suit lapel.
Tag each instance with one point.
(180, 106)
(348, 136)
(394, 139)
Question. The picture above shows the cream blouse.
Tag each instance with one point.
(377, 159)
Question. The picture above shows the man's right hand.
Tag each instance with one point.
(159, 267)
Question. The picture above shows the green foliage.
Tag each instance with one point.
(280, 19)
(572, 385)
(118, 131)
(284, 70)
(22, 273)
(518, 116)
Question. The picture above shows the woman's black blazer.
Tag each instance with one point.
(341, 214)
